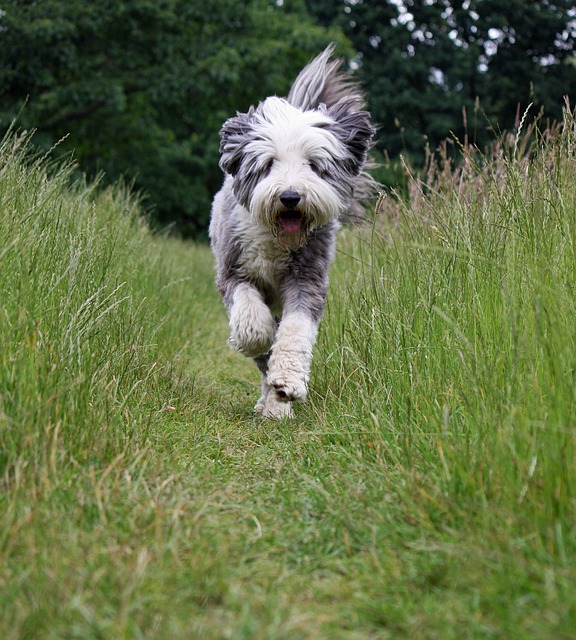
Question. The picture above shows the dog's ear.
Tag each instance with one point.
(234, 134)
(354, 129)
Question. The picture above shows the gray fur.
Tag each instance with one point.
(272, 260)
(322, 82)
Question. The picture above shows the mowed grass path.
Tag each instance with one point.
(426, 490)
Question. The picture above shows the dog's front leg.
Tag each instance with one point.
(252, 325)
(303, 296)
(286, 371)
(290, 360)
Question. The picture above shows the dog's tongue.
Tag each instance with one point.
(290, 222)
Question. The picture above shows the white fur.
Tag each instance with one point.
(289, 366)
(252, 325)
(269, 406)
(292, 141)
(263, 258)
(294, 170)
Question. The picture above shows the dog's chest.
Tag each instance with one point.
(262, 261)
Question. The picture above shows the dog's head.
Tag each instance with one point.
(295, 170)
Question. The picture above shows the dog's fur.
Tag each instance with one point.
(294, 170)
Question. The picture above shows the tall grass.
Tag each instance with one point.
(75, 333)
(426, 490)
(91, 334)
(453, 353)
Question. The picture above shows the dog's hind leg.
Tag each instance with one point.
(268, 404)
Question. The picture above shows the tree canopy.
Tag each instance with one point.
(140, 88)
(424, 61)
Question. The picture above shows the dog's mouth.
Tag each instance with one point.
(290, 221)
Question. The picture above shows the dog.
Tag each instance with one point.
(295, 169)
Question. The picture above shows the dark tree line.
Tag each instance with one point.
(140, 87)
(425, 61)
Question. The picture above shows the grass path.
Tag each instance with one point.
(426, 491)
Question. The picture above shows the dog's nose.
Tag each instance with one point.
(290, 199)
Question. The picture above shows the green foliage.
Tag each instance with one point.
(141, 88)
(436, 68)
(426, 491)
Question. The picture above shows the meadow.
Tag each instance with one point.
(427, 489)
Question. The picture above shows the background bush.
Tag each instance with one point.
(140, 88)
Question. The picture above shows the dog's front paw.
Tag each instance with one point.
(288, 385)
(271, 407)
(252, 329)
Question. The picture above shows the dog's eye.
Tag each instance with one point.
(267, 166)
(315, 167)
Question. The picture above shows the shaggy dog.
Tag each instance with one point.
(294, 171)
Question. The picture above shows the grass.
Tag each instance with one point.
(427, 490)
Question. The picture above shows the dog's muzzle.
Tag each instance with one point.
(290, 198)
(290, 218)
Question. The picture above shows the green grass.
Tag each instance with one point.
(427, 489)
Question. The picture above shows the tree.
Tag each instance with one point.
(141, 87)
(423, 62)
(527, 47)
